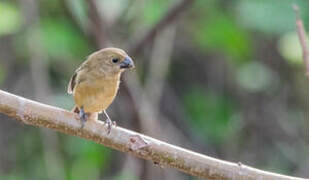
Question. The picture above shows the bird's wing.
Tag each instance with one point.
(72, 83)
(73, 80)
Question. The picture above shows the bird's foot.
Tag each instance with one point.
(83, 117)
(109, 124)
(114, 123)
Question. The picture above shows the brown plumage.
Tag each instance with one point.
(95, 83)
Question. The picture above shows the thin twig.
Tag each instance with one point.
(170, 16)
(139, 145)
(302, 38)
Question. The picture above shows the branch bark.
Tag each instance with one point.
(162, 153)
(302, 38)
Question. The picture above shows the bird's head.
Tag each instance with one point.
(112, 60)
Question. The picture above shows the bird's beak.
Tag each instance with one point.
(127, 63)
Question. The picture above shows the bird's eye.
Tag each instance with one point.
(115, 60)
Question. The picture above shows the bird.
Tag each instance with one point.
(95, 83)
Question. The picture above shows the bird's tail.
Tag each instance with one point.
(75, 109)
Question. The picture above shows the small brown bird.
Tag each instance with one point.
(95, 83)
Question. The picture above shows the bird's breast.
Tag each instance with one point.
(96, 95)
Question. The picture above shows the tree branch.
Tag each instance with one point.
(98, 32)
(171, 15)
(302, 38)
(38, 114)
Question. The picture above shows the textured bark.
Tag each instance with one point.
(161, 153)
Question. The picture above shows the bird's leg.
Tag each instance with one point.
(83, 116)
(109, 122)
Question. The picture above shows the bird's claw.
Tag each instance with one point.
(83, 117)
(110, 124)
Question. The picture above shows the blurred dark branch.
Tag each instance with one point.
(170, 16)
(302, 38)
(42, 115)
(73, 19)
(41, 89)
(97, 24)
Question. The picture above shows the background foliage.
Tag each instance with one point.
(234, 85)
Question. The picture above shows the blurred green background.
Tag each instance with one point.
(225, 78)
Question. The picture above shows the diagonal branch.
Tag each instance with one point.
(302, 38)
(170, 16)
(41, 115)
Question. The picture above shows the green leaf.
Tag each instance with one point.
(88, 158)
(124, 175)
(2, 74)
(221, 34)
(95, 153)
(154, 10)
(289, 47)
(210, 113)
(78, 8)
(84, 169)
(62, 40)
(12, 176)
(268, 16)
(254, 77)
(10, 18)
